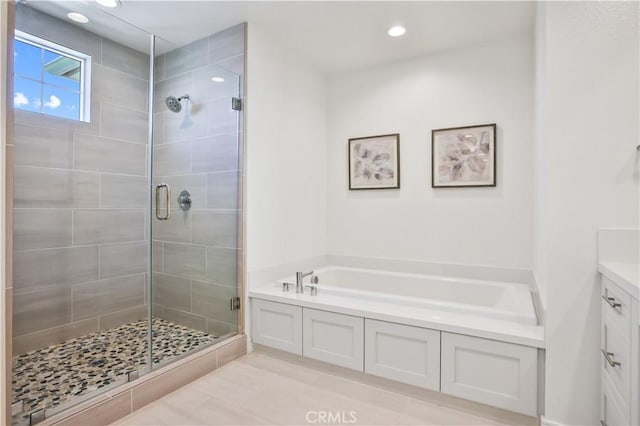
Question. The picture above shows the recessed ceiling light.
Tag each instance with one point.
(108, 3)
(396, 31)
(77, 17)
(217, 79)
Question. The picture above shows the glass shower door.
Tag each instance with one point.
(81, 234)
(126, 247)
(196, 211)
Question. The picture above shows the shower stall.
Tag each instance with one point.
(127, 183)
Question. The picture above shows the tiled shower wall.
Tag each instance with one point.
(196, 252)
(80, 196)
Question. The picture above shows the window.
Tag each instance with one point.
(51, 79)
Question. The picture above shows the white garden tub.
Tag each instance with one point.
(502, 301)
(492, 309)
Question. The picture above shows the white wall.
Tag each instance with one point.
(286, 155)
(590, 180)
(488, 83)
(540, 233)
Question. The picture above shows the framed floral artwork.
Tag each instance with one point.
(463, 156)
(374, 162)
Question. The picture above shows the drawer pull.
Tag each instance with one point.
(609, 357)
(612, 301)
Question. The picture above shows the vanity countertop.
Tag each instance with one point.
(625, 274)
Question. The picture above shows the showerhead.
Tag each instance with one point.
(175, 104)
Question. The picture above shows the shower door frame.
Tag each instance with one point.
(7, 21)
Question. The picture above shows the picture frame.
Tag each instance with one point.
(374, 162)
(464, 157)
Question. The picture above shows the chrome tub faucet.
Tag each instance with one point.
(299, 279)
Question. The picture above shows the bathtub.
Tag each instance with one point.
(474, 339)
(493, 309)
(511, 302)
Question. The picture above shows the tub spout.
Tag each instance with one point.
(299, 279)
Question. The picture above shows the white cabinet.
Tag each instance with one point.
(334, 338)
(495, 373)
(499, 374)
(277, 325)
(620, 354)
(614, 411)
(403, 353)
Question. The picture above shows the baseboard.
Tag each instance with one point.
(544, 421)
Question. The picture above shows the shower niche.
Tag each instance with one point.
(127, 224)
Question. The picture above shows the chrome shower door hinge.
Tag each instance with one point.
(234, 303)
(132, 375)
(236, 104)
(36, 417)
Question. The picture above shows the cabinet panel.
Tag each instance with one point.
(617, 346)
(403, 353)
(621, 339)
(277, 325)
(613, 411)
(618, 317)
(334, 338)
(495, 373)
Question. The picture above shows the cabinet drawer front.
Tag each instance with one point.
(403, 353)
(618, 317)
(495, 373)
(613, 412)
(277, 325)
(617, 346)
(334, 338)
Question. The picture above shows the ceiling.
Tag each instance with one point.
(336, 36)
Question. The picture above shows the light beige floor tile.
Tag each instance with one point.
(261, 389)
(362, 392)
(284, 368)
(424, 413)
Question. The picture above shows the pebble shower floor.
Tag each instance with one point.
(50, 376)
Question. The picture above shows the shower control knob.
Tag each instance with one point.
(184, 200)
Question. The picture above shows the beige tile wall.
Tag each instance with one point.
(81, 190)
(196, 252)
(80, 195)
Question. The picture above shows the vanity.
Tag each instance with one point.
(620, 327)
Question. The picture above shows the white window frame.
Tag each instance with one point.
(85, 68)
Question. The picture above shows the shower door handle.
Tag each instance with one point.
(167, 201)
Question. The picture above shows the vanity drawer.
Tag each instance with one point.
(616, 349)
(616, 307)
(613, 411)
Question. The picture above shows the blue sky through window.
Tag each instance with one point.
(46, 81)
